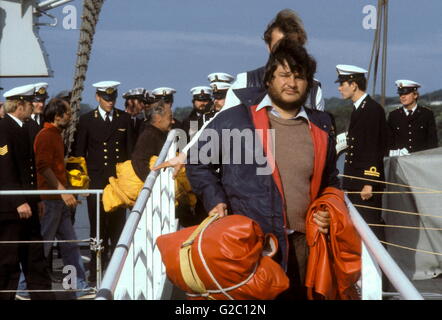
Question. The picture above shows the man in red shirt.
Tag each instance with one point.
(51, 174)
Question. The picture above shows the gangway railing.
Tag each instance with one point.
(136, 271)
(95, 244)
(374, 255)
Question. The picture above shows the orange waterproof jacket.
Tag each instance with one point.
(334, 263)
(229, 253)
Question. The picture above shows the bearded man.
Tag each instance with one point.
(302, 159)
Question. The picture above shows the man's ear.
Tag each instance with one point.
(267, 84)
(154, 118)
(97, 97)
(354, 86)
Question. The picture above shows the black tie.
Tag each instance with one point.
(107, 119)
(410, 112)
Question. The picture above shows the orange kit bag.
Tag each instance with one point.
(223, 258)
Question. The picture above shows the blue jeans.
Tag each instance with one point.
(57, 223)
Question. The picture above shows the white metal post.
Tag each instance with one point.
(98, 239)
(371, 277)
(140, 259)
(149, 212)
(380, 254)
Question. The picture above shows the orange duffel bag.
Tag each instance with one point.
(223, 258)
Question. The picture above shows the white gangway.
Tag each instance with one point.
(136, 272)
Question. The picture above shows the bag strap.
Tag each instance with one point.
(187, 267)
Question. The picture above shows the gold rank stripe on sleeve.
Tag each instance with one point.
(4, 150)
(122, 130)
(373, 172)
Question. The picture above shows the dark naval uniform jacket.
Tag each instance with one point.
(137, 125)
(102, 145)
(416, 132)
(34, 127)
(367, 140)
(193, 116)
(17, 168)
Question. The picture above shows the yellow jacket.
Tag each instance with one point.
(123, 190)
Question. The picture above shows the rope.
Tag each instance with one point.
(396, 192)
(226, 289)
(389, 183)
(45, 241)
(411, 249)
(46, 291)
(221, 289)
(91, 12)
(403, 227)
(397, 211)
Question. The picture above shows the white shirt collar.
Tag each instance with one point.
(19, 122)
(412, 110)
(359, 101)
(103, 113)
(267, 102)
(36, 117)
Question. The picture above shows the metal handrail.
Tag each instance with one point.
(397, 277)
(97, 246)
(49, 192)
(115, 267)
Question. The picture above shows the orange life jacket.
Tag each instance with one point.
(334, 262)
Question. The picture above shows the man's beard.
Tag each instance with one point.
(288, 106)
(218, 106)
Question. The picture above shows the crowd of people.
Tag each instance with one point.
(283, 96)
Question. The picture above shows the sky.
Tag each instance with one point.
(176, 43)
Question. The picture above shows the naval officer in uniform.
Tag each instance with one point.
(201, 101)
(220, 83)
(412, 126)
(367, 145)
(19, 213)
(135, 105)
(219, 92)
(166, 94)
(220, 77)
(36, 122)
(104, 138)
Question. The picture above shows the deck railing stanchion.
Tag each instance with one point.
(99, 245)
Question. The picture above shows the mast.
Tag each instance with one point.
(379, 50)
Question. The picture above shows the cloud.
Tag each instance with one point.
(175, 40)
